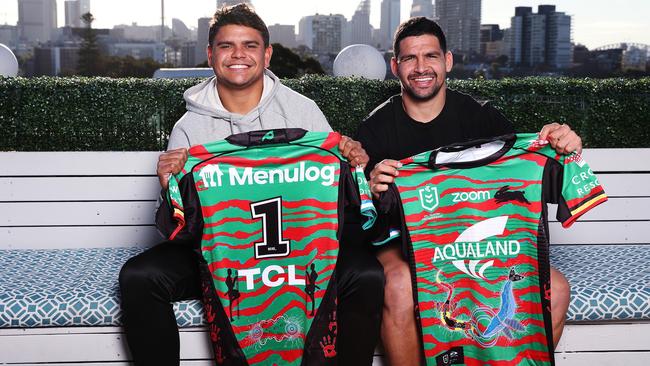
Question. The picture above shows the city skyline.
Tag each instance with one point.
(591, 26)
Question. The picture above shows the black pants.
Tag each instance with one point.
(167, 272)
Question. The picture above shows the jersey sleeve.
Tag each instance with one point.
(390, 223)
(186, 218)
(574, 187)
(175, 202)
(367, 208)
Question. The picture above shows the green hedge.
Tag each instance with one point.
(47, 114)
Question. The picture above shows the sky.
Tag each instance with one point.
(595, 22)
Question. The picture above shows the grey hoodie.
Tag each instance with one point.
(206, 121)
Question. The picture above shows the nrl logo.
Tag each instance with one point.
(429, 198)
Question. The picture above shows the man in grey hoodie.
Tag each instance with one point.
(242, 96)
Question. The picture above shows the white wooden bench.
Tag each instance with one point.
(105, 200)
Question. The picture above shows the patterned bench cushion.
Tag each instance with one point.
(69, 287)
(608, 282)
(78, 287)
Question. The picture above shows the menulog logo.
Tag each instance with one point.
(212, 175)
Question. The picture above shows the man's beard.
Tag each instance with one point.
(423, 97)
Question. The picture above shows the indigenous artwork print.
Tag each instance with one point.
(265, 207)
(473, 221)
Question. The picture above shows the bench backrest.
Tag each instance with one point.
(107, 199)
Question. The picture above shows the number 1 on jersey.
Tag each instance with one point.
(272, 244)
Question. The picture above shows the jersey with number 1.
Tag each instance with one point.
(265, 207)
(473, 222)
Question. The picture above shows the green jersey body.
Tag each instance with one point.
(264, 207)
(474, 227)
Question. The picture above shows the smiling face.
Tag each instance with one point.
(421, 66)
(238, 57)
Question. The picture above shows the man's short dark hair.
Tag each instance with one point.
(418, 26)
(240, 14)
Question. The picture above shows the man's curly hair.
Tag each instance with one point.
(240, 14)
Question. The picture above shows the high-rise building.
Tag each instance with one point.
(327, 33)
(461, 22)
(559, 50)
(188, 54)
(222, 3)
(306, 31)
(36, 20)
(55, 60)
(135, 32)
(635, 58)
(202, 34)
(139, 50)
(283, 34)
(180, 30)
(359, 27)
(491, 40)
(9, 35)
(390, 20)
(422, 8)
(74, 9)
(542, 38)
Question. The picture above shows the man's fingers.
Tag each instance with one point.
(377, 189)
(170, 162)
(389, 162)
(382, 178)
(358, 156)
(548, 129)
(353, 151)
(345, 145)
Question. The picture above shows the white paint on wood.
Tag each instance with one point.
(56, 163)
(78, 189)
(619, 209)
(618, 160)
(605, 337)
(622, 232)
(581, 345)
(627, 185)
(603, 359)
(88, 347)
(78, 237)
(77, 213)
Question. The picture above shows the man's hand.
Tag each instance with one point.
(562, 138)
(382, 175)
(353, 151)
(170, 162)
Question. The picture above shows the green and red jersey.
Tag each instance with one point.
(473, 220)
(265, 208)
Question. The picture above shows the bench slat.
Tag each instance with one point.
(57, 163)
(623, 232)
(596, 337)
(144, 236)
(147, 188)
(77, 213)
(142, 212)
(617, 209)
(80, 347)
(32, 189)
(618, 160)
(628, 185)
(78, 237)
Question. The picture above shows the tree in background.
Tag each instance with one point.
(128, 66)
(287, 64)
(90, 58)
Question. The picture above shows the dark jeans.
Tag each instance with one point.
(169, 272)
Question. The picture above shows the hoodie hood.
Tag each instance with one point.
(203, 100)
